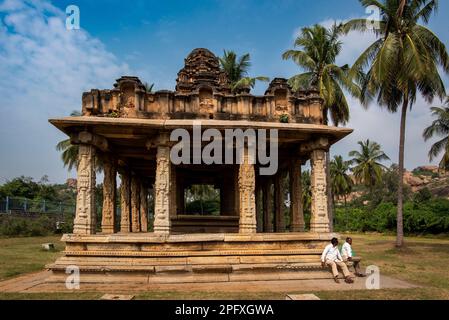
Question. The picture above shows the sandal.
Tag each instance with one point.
(349, 280)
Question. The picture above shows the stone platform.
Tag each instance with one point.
(192, 258)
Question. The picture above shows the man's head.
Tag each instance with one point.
(334, 242)
(349, 240)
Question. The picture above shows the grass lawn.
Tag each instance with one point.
(424, 261)
(23, 255)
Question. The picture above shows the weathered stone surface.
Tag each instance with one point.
(109, 195)
(319, 221)
(267, 207)
(143, 208)
(125, 203)
(279, 201)
(162, 191)
(247, 200)
(110, 296)
(85, 219)
(135, 204)
(306, 296)
(297, 213)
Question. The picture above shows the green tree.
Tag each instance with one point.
(69, 151)
(237, 70)
(318, 50)
(341, 182)
(367, 163)
(20, 187)
(148, 87)
(439, 127)
(400, 64)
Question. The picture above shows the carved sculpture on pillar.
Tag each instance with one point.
(143, 208)
(297, 212)
(267, 206)
(319, 221)
(109, 195)
(279, 201)
(162, 220)
(135, 204)
(85, 219)
(247, 198)
(125, 224)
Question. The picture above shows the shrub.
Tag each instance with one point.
(427, 217)
(26, 226)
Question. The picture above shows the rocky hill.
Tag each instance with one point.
(430, 177)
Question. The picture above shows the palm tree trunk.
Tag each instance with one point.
(400, 224)
(330, 202)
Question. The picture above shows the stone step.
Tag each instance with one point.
(190, 277)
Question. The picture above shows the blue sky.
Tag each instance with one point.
(45, 68)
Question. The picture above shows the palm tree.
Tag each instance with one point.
(69, 151)
(237, 70)
(319, 48)
(439, 127)
(401, 63)
(367, 163)
(341, 182)
(148, 87)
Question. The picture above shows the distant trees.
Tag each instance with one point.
(440, 128)
(403, 62)
(367, 163)
(341, 181)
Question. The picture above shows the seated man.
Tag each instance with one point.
(346, 253)
(331, 257)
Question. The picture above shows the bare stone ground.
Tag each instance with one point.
(35, 283)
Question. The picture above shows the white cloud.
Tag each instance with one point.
(45, 68)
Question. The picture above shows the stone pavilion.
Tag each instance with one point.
(255, 236)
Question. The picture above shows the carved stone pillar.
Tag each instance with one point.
(135, 204)
(162, 220)
(267, 207)
(297, 212)
(143, 208)
(85, 219)
(279, 202)
(247, 197)
(319, 221)
(109, 195)
(259, 207)
(125, 203)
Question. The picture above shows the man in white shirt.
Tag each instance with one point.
(347, 255)
(331, 257)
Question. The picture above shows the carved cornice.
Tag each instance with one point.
(85, 137)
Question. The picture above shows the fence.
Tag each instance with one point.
(14, 205)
